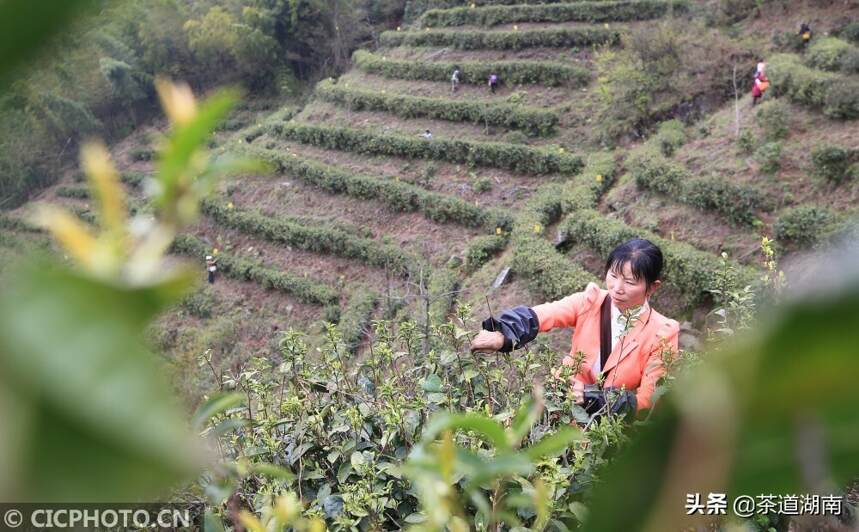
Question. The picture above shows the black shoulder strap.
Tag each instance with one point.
(605, 331)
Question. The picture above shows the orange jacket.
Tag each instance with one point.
(761, 85)
(636, 360)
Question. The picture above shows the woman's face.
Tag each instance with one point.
(625, 291)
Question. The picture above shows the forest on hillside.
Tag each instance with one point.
(97, 80)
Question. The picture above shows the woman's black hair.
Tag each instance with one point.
(643, 256)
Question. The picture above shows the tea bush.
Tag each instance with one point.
(837, 96)
(442, 294)
(547, 271)
(331, 314)
(652, 171)
(768, 156)
(850, 63)
(481, 249)
(593, 12)
(13, 223)
(850, 32)
(200, 303)
(533, 120)
(249, 270)
(805, 225)
(803, 85)
(482, 184)
(134, 179)
(73, 192)
(511, 72)
(662, 70)
(550, 273)
(512, 157)
(397, 195)
(315, 239)
(142, 154)
(746, 142)
(833, 162)
(341, 427)
(773, 117)
(842, 99)
(86, 215)
(828, 53)
(726, 12)
(415, 8)
(354, 321)
(738, 203)
(669, 136)
(515, 137)
(692, 271)
(502, 40)
(427, 175)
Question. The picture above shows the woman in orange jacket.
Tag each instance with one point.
(760, 86)
(628, 353)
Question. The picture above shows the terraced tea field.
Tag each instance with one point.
(363, 217)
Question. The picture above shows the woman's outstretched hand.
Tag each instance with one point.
(487, 341)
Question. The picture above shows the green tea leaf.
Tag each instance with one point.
(272, 471)
(432, 384)
(101, 411)
(27, 26)
(526, 416)
(488, 429)
(554, 444)
(217, 404)
(184, 141)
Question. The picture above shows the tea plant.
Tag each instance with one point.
(342, 426)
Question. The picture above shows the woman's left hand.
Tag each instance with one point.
(487, 341)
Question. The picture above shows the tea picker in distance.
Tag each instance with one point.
(805, 34)
(211, 268)
(624, 340)
(493, 83)
(454, 80)
(760, 86)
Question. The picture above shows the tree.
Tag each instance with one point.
(129, 84)
(211, 39)
(163, 42)
(222, 43)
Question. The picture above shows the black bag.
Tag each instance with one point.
(621, 402)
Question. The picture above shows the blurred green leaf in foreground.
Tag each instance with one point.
(27, 26)
(87, 413)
